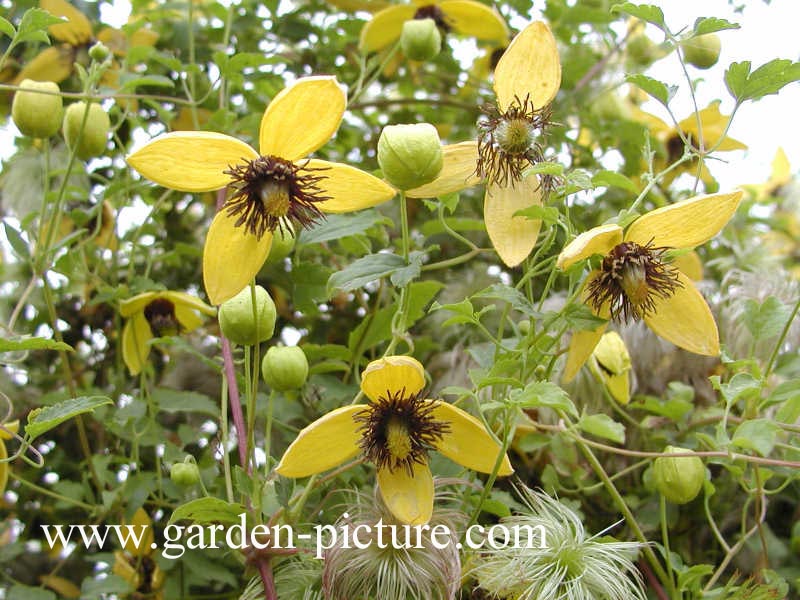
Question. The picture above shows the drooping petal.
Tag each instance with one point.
(392, 374)
(408, 497)
(231, 257)
(598, 240)
(458, 172)
(191, 301)
(136, 304)
(135, 335)
(188, 318)
(714, 124)
(385, 27)
(685, 224)
(190, 161)
(512, 237)
(583, 342)
(690, 265)
(467, 442)
(619, 387)
(76, 31)
(685, 320)
(141, 523)
(301, 118)
(51, 64)
(3, 468)
(327, 442)
(349, 188)
(530, 65)
(9, 429)
(475, 19)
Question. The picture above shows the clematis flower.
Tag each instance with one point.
(270, 188)
(55, 63)
(396, 431)
(636, 279)
(526, 80)
(6, 433)
(157, 314)
(465, 17)
(135, 564)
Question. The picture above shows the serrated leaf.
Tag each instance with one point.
(208, 510)
(33, 344)
(767, 79)
(757, 435)
(543, 393)
(335, 227)
(705, 25)
(404, 275)
(506, 293)
(740, 384)
(657, 89)
(603, 426)
(613, 179)
(33, 26)
(646, 12)
(767, 319)
(41, 420)
(365, 270)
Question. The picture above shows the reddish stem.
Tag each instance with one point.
(265, 569)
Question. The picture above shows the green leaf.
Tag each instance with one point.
(768, 79)
(174, 401)
(767, 319)
(544, 168)
(757, 435)
(7, 28)
(33, 26)
(580, 316)
(208, 510)
(705, 25)
(506, 293)
(787, 392)
(547, 214)
(110, 586)
(24, 592)
(33, 344)
(740, 384)
(18, 244)
(335, 227)
(613, 179)
(646, 12)
(603, 426)
(158, 81)
(41, 420)
(365, 270)
(403, 276)
(543, 393)
(657, 89)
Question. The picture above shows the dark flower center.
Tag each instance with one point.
(270, 192)
(631, 279)
(397, 432)
(160, 313)
(431, 11)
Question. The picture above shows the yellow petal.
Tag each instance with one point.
(619, 387)
(385, 27)
(136, 304)
(188, 319)
(302, 117)
(598, 240)
(473, 18)
(3, 468)
(467, 442)
(190, 161)
(348, 188)
(61, 586)
(658, 128)
(122, 568)
(781, 169)
(530, 65)
(408, 497)
(76, 31)
(231, 257)
(9, 429)
(583, 342)
(689, 264)
(391, 375)
(714, 124)
(685, 320)
(458, 172)
(141, 523)
(512, 237)
(327, 442)
(191, 302)
(135, 336)
(685, 224)
(51, 64)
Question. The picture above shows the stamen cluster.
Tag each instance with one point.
(160, 314)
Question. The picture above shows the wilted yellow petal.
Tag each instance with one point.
(689, 264)
(76, 31)
(458, 172)
(512, 237)
(685, 320)
(63, 587)
(392, 374)
(143, 527)
(122, 568)
(327, 442)
(475, 19)
(530, 65)
(51, 64)
(135, 335)
(231, 257)
(467, 442)
(408, 497)
(190, 161)
(598, 240)
(349, 188)
(385, 27)
(713, 123)
(685, 224)
(302, 117)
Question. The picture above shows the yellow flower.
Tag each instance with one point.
(526, 80)
(611, 365)
(270, 188)
(6, 433)
(135, 563)
(465, 17)
(156, 314)
(396, 430)
(636, 281)
(55, 62)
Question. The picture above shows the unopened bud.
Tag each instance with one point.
(185, 473)
(285, 368)
(420, 39)
(92, 140)
(241, 324)
(679, 479)
(611, 364)
(99, 52)
(35, 114)
(702, 51)
(410, 155)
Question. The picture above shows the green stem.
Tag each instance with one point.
(662, 510)
(268, 433)
(779, 344)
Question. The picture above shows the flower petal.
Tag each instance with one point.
(619, 387)
(392, 374)
(385, 27)
(190, 301)
(231, 257)
(467, 442)
(686, 320)
(408, 497)
(3, 468)
(76, 31)
(302, 117)
(327, 442)
(188, 319)
(475, 19)
(512, 237)
(458, 172)
(598, 240)
(690, 265)
(9, 429)
(51, 64)
(349, 188)
(714, 124)
(685, 224)
(190, 161)
(583, 342)
(529, 66)
(135, 335)
(136, 304)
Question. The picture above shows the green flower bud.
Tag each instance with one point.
(641, 50)
(37, 115)
(285, 368)
(610, 363)
(282, 244)
(609, 107)
(410, 155)
(185, 473)
(679, 479)
(702, 51)
(99, 52)
(238, 321)
(92, 141)
(420, 39)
